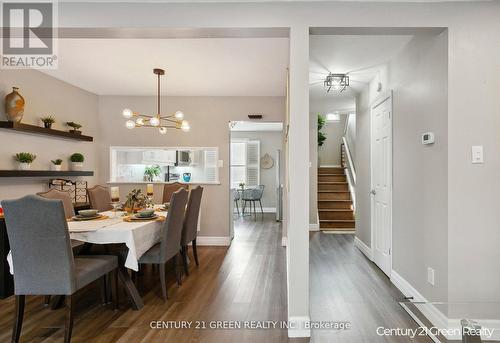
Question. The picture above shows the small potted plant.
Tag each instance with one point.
(74, 127)
(151, 172)
(24, 160)
(76, 161)
(48, 121)
(56, 164)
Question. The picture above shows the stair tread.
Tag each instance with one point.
(332, 191)
(334, 209)
(337, 221)
(343, 200)
(332, 183)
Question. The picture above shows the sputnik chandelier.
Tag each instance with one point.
(159, 121)
(338, 82)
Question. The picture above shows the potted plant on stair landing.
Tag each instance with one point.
(76, 161)
(24, 160)
(321, 134)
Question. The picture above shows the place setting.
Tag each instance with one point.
(144, 215)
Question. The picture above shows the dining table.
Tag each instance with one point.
(115, 227)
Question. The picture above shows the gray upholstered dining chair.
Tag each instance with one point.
(100, 198)
(170, 239)
(236, 200)
(42, 258)
(170, 188)
(252, 196)
(190, 229)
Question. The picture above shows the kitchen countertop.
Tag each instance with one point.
(159, 182)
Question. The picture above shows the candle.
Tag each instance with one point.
(149, 189)
(115, 194)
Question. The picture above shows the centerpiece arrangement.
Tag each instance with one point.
(136, 201)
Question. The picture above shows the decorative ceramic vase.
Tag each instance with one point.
(14, 106)
(186, 177)
(76, 166)
(24, 166)
(55, 167)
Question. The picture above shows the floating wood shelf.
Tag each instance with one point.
(43, 173)
(27, 128)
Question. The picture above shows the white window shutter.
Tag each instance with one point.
(211, 169)
(253, 163)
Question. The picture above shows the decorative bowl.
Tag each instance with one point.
(145, 213)
(88, 213)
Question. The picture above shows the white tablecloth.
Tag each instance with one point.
(138, 236)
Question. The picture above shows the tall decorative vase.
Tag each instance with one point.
(14, 105)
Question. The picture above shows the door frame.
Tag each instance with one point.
(379, 100)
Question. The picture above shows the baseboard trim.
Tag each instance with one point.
(213, 241)
(365, 249)
(297, 327)
(313, 227)
(438, 318)
(268, 209)
(330, 166)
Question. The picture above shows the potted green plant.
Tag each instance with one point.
(76, 161)
(48, 121)
(24, 160)
(56, 164)
(151, 172)
(74, 127)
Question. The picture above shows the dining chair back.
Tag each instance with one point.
(100, 198)
(60, 195)
(190, 229)
(40, 245)
(170, 188)
(172, 230)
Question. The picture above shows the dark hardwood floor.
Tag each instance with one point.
(346, 286)
(245, 282)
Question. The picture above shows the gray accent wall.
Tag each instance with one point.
(418, 76)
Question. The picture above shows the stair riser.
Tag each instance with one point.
(336, 225)
(333, 187)
(330, 170)
(334, 196)
(332, 178)
(336, 215)
(334, 205)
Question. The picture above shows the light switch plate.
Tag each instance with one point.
(220, 163)
(477, 154)
(430, 275)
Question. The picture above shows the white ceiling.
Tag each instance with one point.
(359, 55)
(256, 126)
(194, 67)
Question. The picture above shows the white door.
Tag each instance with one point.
(381, 193)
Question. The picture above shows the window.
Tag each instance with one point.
(245, 163)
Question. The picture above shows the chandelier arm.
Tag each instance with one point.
(171, 120)
(145, 116)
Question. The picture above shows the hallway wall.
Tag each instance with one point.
(418, 78)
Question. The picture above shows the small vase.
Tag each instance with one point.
(14, 106)
(76, 166)
(55, 167)
(24, 166)
(47, 125)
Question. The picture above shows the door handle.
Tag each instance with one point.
(373, 192)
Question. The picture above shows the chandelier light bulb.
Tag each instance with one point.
(130, 124)
(139, 121)
(163, 130)
(179, 115)
(185, 126)
(127, 113)
(155, 121)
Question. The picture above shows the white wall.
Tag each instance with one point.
(418, 78)
(270, 141)
(329, 153)
(209, 118)
(45, 95)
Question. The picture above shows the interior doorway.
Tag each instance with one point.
(381, 176)
(257, 172)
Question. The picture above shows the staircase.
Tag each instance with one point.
(334, 201)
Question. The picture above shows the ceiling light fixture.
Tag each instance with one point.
(158, 121)
(339, 82)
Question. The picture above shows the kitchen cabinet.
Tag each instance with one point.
(161, 157)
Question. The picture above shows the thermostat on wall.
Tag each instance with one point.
(428, 138)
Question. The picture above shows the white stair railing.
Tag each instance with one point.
(348, 165)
